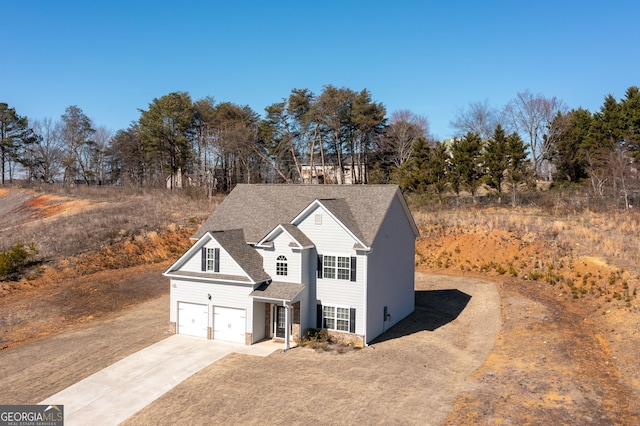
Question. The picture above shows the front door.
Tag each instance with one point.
(281, 321)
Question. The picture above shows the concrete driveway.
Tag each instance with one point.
(113, 394)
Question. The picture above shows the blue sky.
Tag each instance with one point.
(112, 58)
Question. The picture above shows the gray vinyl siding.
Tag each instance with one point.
(281, 247)
(391, 272)
(226, 295)
(332, 239)
(344, 293)
(228, 266)
(330, 236)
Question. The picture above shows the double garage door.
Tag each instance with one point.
(228, 323)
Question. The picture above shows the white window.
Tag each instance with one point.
(281, 265)
(343, 267)
(329, 267)
(340, 267)
(211, 259)
(335, 318)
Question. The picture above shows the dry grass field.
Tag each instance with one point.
(568, 282)
(90, 243)
(577, 277)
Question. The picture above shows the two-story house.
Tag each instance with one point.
(274, 260)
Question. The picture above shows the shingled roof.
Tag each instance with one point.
(277, 290)
(297, 234)
(258, 209)
(233, 241)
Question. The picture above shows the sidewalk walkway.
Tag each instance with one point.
(113, 394)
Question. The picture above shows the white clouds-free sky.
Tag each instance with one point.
(112, 58)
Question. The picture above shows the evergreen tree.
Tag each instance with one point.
(437, 166)
(568, 135)
(15, 135)
(630, 107)
(466, 166)
(413, 174)
(495, 159)
(166, 132)
(519, 171)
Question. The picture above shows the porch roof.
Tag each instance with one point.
(277, 290)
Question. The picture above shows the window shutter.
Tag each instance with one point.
(352, 320)
(319, 266)
(204, 259)
(319, 316)
(353, 268)
(216, 260)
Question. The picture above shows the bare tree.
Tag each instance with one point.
(404, 129)
(48, 153)
(479, 118)
(206, 153)
(102, 138)
(531, 115)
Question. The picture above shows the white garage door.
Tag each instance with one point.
(229, 324)
(192, 319)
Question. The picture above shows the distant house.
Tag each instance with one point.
(330, 173)
(274, 260)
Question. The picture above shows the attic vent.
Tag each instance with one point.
(318, 219)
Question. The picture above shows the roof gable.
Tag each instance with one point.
(258, 209)
(300, 240)
(339, 211)
(234, 244)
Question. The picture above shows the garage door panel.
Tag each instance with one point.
(192, 319)
(229, 324)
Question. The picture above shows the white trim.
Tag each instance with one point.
(194, 250)
(266, 241)
(176, 274)
(365, 269)
(283, 263)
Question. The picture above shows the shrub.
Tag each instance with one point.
(16, 258)
(322, 340)
(535, 275)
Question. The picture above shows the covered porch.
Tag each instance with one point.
(280, 302)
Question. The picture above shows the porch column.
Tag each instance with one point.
(286, 326)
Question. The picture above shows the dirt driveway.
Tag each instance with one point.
(411, 375)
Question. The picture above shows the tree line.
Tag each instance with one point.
(337, 136)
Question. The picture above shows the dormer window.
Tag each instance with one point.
(281, 265)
